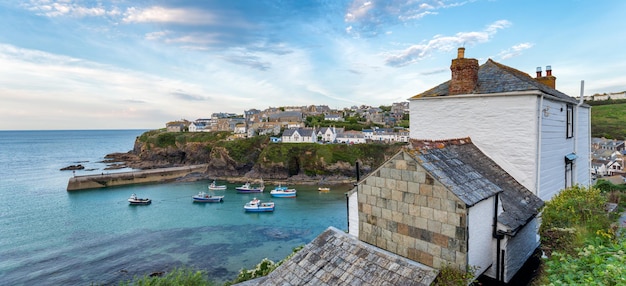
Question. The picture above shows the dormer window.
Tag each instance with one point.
(569, 133)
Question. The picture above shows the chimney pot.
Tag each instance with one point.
(538, 72)
(461, 53)
(548, 70)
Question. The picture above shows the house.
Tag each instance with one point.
(336, 258)
(536, 133)
(607, 144)
(333, 117)
(328, 134)
(175, 126)
(299, 135)
(351, 137)
(446, 203)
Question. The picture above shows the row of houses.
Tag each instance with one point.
(607, 157)
(270, 121)
(339, 135)
(466, 192)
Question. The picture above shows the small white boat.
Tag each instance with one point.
(215, 186)
(203, 197)
(248, 188)
(257, 206)
(283, 192)
(323, 189)
(134, 200)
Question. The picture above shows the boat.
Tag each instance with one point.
(203, 197)
(215, 186)
(248, 188)
(323, 189)
(283, 192)
(134, 200)
(256, 205)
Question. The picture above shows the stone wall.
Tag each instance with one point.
(404, 210)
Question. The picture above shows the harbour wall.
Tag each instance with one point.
(134, 177)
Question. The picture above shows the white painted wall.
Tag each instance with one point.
(504, 127)
(480, 222)
(353, 214)
(555, 145)
(583, 148)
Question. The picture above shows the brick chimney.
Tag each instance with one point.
(464, 74)
(549, 79)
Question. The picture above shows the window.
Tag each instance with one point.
(570, 121)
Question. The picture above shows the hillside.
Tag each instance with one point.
(609, 120)
(254, 157)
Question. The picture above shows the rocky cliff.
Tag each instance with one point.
(256, 158)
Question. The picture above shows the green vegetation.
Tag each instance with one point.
(265, 267)
(449, 276)
(581, 240)
(245, 150)
(608, 119)
(178, 276)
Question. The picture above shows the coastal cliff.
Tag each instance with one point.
(253, 158)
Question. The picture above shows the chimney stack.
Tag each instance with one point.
(549, 79)
(464, 74)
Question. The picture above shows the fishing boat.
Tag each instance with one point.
(134, 200)
(203, 197)
(248, 188)
(323, 189)
(256, 205)
(215, 186)
(283, 192)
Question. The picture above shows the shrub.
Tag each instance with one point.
(178, 276)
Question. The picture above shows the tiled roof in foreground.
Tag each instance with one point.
(336, 258)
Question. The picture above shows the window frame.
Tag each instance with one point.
(569, 126)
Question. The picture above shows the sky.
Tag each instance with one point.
(139, 64)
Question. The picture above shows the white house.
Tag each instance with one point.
(299, 135)
(538, 134)
(472, 202)
(351, 137)
(328, 134)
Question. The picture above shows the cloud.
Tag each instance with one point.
(158, 14)
(188, 97)
(514, 51)
(418, 52)
(249, 61)
(67, 8)
(368, 17)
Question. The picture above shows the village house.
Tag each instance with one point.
(472, 202)
(538, 134)
(299, 135)
(351, 137)
(328, 134)
(445, 203)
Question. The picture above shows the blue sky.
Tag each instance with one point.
(138, 64)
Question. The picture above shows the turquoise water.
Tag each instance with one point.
(49, 236)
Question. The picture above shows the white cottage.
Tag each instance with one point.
(538, 134)
(299, 135)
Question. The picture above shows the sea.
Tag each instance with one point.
(49, 236)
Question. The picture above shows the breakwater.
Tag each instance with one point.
(134, 177)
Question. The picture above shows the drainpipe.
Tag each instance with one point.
(538, 158)
(498, 237)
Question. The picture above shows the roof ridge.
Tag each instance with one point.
(419, 144)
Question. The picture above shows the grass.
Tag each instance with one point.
(609, 121)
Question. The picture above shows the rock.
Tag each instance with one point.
(73, 167)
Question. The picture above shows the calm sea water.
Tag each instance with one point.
(49, 236)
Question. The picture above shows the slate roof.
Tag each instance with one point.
(472, 176)
(304, 132)
(494, 77)
(336, 258)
